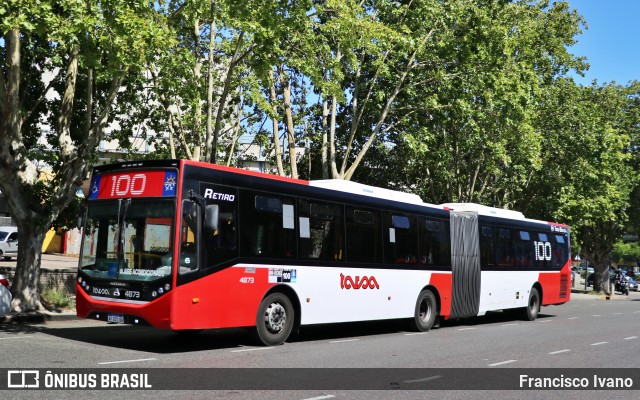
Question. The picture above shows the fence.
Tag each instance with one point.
(50, 280)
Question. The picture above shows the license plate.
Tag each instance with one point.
(115, 318)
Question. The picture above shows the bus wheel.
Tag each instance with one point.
(530, 312)
(274, 321)
(426, 311)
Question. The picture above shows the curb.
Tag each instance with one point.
(37, 317)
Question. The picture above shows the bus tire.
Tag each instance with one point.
(530, 312)
(275, 319)
(426, 311)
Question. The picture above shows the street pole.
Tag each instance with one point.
(586, 273)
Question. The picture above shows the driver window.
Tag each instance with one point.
(188, 234)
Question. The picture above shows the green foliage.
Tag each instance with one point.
(625, 253)
(588, 174)
(62, 65)
(55, 298)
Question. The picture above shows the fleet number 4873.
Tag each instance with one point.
(246, 279)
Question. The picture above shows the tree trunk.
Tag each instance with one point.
(26, 296)
(325, 144)
(209, 127)
(597, 253)
(276, 134)
(291, 137)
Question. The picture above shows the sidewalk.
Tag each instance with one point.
(38, 317)
(49, 263)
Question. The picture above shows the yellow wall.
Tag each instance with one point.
(52, 242)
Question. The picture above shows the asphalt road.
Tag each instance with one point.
(586, 333)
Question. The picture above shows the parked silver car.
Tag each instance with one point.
(8, 242)
(633, 285)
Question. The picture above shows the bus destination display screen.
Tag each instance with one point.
(155, 183)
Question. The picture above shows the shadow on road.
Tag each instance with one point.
(152, 340)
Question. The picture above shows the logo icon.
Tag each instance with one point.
(365, 282)
(23, 379)
(170, 183)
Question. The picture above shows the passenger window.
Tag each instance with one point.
(505, 254)
(401, 240)
(321, 231)
(435, 242)
(487, 247)
(363, 235)
(560, 251)
(269, 225)
(524, 250)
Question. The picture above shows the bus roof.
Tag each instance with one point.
(371, 191)
(485, 210)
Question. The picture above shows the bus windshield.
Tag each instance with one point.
(128, 239)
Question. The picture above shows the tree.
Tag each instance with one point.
(625, 253)
(90, 48)
(468, 134)
(586, 176)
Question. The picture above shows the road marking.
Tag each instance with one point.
(635, 312)
(126, 361)
(431, 378)
(16, 337)
(599, 343)
(343, 341)
(630, 337)
(560, 351)
(466, 329)
(415, 333)
(573, 318)
(329, 396)
(546, 320)
(502, 363)
(596, 315)
(253, 349)
(618, 313)
(509, 324)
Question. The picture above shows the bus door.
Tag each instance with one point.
(465, 264)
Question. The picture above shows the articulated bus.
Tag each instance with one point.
(186, 246)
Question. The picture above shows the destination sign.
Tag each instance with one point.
(156, 183)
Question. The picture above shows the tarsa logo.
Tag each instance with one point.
(365, 282)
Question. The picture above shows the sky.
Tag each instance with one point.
(612, 41)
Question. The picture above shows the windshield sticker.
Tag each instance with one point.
(143, 272)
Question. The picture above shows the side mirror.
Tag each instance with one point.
(211, 215)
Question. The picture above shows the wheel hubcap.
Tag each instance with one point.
(533, 305)
(425, 310)
(275, 317)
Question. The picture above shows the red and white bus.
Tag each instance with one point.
(185, 245)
